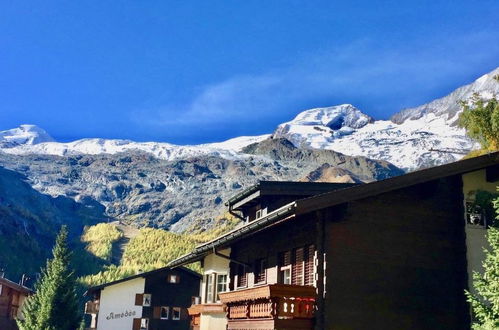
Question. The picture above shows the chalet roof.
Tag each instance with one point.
(144, 274)
(15, 286)
(283, 188)
(336, 197)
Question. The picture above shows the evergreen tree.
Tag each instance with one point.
(485, 304)
(480, 117)
(54, 306)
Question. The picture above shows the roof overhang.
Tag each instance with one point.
(15, 286)
(283, 213)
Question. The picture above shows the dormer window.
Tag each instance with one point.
(258, 214)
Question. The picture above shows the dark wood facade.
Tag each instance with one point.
(387, 255)
(398, 260)
(393, 261)
(170, 295)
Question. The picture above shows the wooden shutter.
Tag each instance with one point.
(156, 312)
(298, 267)
(136, 324)
(139, 299)
(184, 315)
(242, 279)
(286, 258)
(260, 270)
(309, 265)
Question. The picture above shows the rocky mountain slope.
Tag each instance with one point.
(138, 188)
(29, 221)
(177, 187)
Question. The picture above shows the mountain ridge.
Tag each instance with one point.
(413, 138)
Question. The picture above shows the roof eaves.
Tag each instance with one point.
(15, 285)
(246, 192)
(144, 274)
(203, 249)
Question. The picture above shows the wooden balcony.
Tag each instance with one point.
(92, 307)
(275, 306)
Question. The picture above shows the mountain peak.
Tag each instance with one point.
(318, 127)
(334, 117)
(25, 134)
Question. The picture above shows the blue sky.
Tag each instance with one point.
(202, 71)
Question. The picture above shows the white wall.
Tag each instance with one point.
(213, 322)
(117, 305)
(214, 264)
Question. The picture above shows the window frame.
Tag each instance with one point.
(218, 282)
(167, 308)
(144, 299)
(179, 309)
(210, 288)
(175, 276)
(146, 321)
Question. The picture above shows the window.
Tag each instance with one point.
(221, 284)
(242, 279)
(165, 312)
(261, 271)
(475, 216)
(143, 299)
(209, 288)
(258, 214)
(285, 267)
(297, 267)
(173, 279)
(176, 313)
(147, 300)
(144, 324)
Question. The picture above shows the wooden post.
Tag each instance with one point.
(320, 228)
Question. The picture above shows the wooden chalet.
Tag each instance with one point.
(147, 301)
(12, 296)
(392, 254)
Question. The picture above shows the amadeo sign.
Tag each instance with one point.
(117, 305)
(121, 315)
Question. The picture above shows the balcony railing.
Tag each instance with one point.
(270, 305)
(92, 307)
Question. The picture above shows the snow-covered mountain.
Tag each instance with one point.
(43, 144)
(448, 106)
(408, 145)
(24, 135)
(418, 137)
